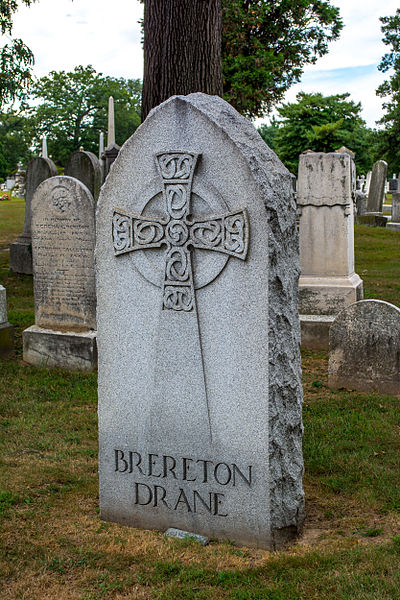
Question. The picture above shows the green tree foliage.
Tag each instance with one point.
(268, 133)
(14, 141)
(388, 146)
(16, 59)
(265, 45)
(323, 124)
(72, 110)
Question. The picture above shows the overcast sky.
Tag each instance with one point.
(66, 33)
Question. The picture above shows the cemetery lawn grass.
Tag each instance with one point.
(377, 257)
(54, 546)
(11, 220)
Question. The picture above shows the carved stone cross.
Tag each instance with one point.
(227, 233)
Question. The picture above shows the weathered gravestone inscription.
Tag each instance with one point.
(63, 239)
(38, 170)
(85, 166)
(364, 348)
(6, 330)
(199, 374)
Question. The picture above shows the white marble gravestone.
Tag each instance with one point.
(364, 348)
(63, 240)
(198, 332)
(328, 282)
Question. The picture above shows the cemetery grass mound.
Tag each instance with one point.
(53, 544)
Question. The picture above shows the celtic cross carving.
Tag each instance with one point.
(227, 233)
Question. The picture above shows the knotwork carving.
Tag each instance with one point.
(147, 232)
(177, 233)
(207, 234)
(176, 166)
(177, 265)
(121, 232)
(178, 298)
(234, 227)
(227, 234)
(177, 200)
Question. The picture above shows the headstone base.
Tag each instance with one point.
(328, 295)
(393, 226)
(6, 340)
(315, 331)
(67, 350)
(320, 300)
(373, 220)
(21, 257)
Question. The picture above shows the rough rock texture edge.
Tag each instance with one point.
(285, 390)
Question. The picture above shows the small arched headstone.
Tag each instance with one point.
(85, 166)
(364, 348)
(63, 239)
(38, 169)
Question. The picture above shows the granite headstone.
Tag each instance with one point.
(376, 196)
(85, 166)
(38, 169)
(364, 348)
(63, 240)
(198, 332)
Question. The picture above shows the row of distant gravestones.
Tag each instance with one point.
(65, 297)
(84, 166)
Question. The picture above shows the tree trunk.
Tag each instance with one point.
(182, 49)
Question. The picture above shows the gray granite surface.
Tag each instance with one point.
(198, 333)
(364, 348)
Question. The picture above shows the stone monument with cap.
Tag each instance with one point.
(328, 282)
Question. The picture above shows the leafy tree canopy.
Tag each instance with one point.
(323, 124)
(388, 139)
(16, 59)
(72, 110)
(14, 141)
(265, 45)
